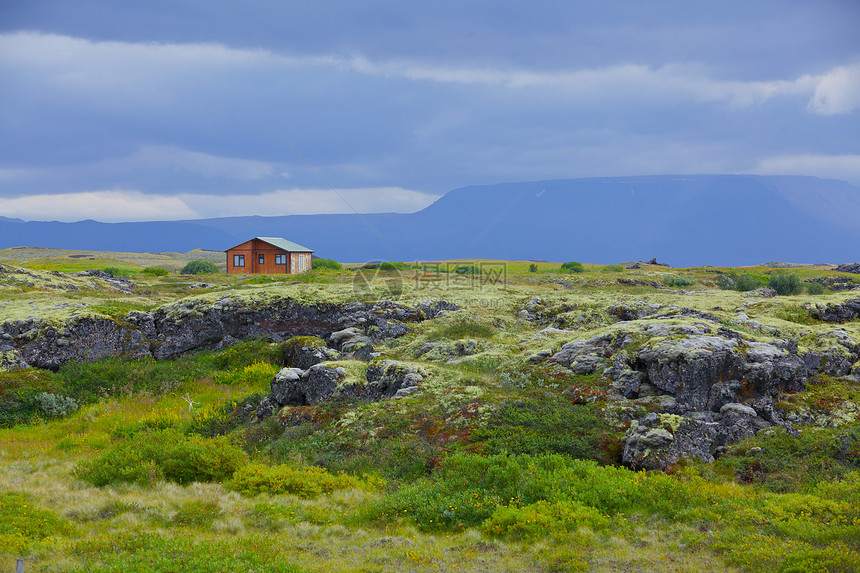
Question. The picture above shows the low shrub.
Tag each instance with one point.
(677, 281)
(117, 272)
(741, 281)
(18, 391)
(533, 268)
(55, 406)
(155, 272)
(150, 552)
(815, 288)
(22, 523)
(785, 283)
(468, 270)
(199, 267)
(572, 267)
(786, 463)
(543, 424)
(147, 457)
(326, 264)
(613, 269)
(248, 352)
(796, 314)
(306, 482)
(197, 512)
(542, 519)
(86, 382)
(383, 266)
(467, 329)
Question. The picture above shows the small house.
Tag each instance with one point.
(268, 255)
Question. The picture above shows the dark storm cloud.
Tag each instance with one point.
(165, 99)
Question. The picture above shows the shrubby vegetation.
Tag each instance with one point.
(54, 406)
(673, 281)
(307, 482)
(117, 272)
(497, 462)
(785, 283)
(742, 281)
(199, 267)
(155, 272)
(318, 263)
(572, 267)
(147, 457)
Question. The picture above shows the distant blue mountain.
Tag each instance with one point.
(684, 220)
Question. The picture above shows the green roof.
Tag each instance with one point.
(285, 244)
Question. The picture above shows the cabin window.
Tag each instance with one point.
(238, 260)
(280, 259)
(261, 260)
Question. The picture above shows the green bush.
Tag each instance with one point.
(467, 270)
(146, 458)
(150, 552)
(326, 264)
(677, 281)
(197, 512)
(533, 268)
(815, 288)
(543, 424)
(467, 489)
(572, 267)
(785, 283)
(117, 272)
(55, 406)
(796, 314)
(23, 524)
(307, 482)
(199, 267)
(18, 391)
(542, 519)
(741, 281)
(247, 353)
(787, 463)
(613, 269)
(86, 382)
(155, 272)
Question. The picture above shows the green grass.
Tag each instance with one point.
(494, 464)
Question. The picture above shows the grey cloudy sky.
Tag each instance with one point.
(140, 111)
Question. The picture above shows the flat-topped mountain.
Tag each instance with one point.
(683, 220)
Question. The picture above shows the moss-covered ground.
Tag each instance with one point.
(495, 464)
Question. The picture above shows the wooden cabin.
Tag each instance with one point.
(268, 255)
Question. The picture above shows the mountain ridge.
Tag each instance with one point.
(685, 220)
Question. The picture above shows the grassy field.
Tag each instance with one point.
(496, 464)
(69, 261)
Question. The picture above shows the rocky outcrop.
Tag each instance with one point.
(322, 382)
(392, 379)
(657, 441)
(304, 351)
(714, 386)
(116, 284)
(849, 268)
(354, 342)
(200, 324)
(841, 312)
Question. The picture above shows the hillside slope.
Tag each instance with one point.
(684, 220)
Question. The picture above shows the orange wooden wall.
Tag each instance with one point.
(254, 248)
